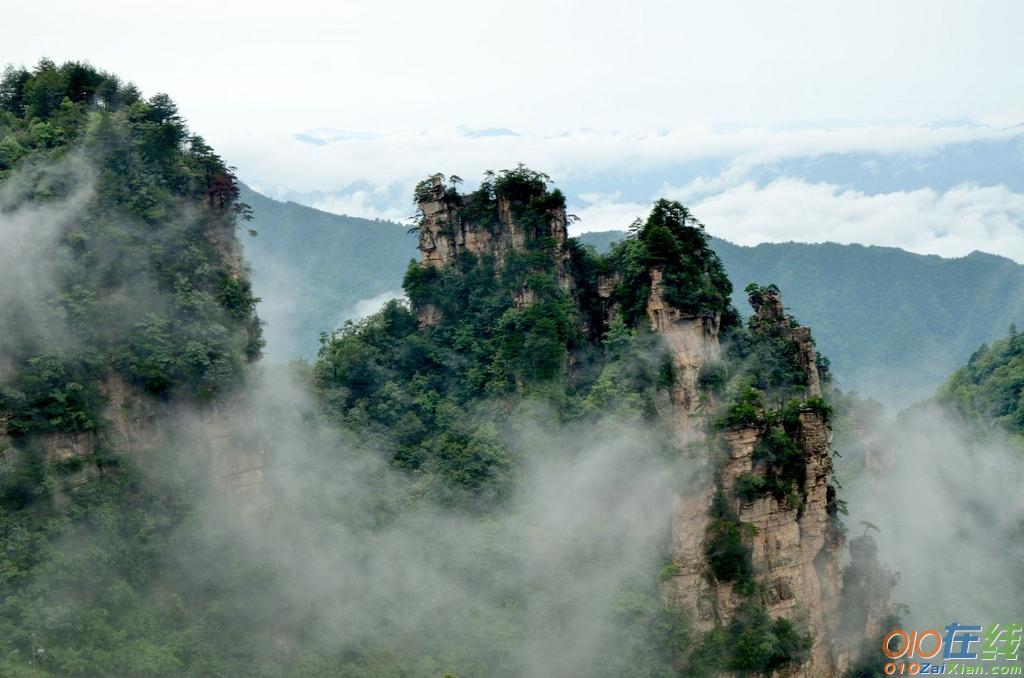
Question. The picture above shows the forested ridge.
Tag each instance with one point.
(142, 211)
(441, 399)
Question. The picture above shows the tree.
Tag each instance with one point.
(869, 526)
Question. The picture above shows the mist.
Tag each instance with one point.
(947, 500)
(283, 530)
(299, 539)
(341, 552)
(30, 261)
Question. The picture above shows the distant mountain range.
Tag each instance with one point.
(893, 323)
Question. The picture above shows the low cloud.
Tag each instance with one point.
(29, 235)
(363, 203)
(286, 164)
(948, 505)
(369, 306)
(952, 223)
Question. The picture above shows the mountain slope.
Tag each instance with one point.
(312, 268)
(989, 389)
(893, 323)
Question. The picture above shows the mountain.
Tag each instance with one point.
(893, 323)
(520, 348)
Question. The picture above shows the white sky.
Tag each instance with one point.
(543, 66)
(247, 76)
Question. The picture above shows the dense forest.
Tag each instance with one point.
(474, 480)
(141, 211)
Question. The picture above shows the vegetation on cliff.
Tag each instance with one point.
(674, 242)
(442, 396)
(896, 347)
(122, 272)
(439, 396)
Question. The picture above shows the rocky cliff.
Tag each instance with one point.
(693, 344)
(485, 225)
(795, 539)
(763, 531)
(795, 545)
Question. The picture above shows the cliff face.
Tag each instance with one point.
(492, 230)
(796, 543)
(444, 233)
(693, 344)
(796, 552)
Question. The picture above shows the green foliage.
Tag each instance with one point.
(989, 390)
(820, 406)
(751, 486)
(769, 363)
(632, 370)
(767, 377)
(870, 662)
(713, 377)
(501, 335)
(761, 645)
(146, 285)
(52, 391)
(97, 579)
(746, 408)
(674, 242)
(725, 546)
(781, 460)
(753, 644)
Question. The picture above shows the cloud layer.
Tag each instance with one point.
(951, 223)
(749, 185)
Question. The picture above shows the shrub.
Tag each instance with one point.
(713, 377)
(750, 486)
(819, 405)
(745, 409)
(727, 553)
(752, 644)
(762, 645)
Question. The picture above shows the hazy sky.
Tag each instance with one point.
(392, 91)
